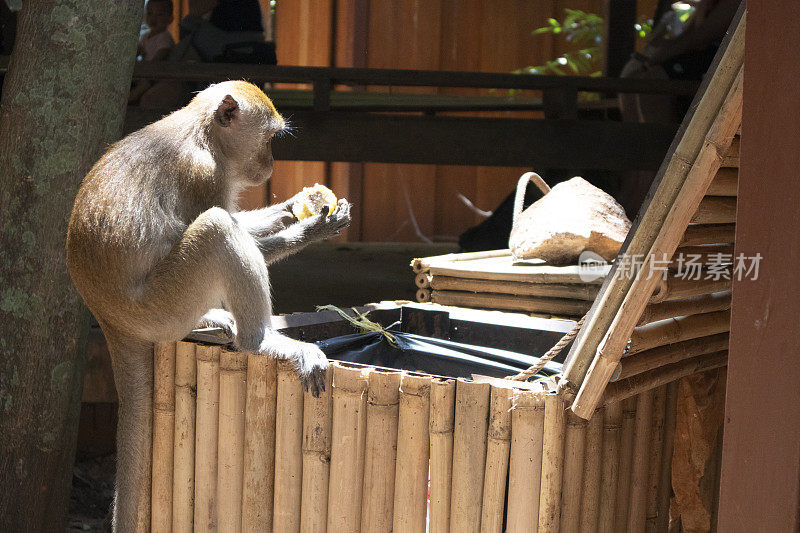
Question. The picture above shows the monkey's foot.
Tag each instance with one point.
(219, 318)
(308, 359)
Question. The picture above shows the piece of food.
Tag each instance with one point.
(312, 200)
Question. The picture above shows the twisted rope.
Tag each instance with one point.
(552, 352)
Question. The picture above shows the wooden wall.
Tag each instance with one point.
(412, 202)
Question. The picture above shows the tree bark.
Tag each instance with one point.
(63, 102)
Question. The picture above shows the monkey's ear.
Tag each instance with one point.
(227, 111)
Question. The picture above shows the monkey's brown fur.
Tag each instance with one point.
(155, 247)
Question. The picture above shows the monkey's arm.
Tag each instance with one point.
(265, 221)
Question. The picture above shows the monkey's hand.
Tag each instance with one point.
(219, 318)
(323, 226)
(308, 359)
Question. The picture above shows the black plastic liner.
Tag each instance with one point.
(433, 356)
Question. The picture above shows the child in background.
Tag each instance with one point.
(156, 43)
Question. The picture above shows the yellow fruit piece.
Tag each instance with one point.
(312, 200)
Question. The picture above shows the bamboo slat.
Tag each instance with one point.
(731, 159)
(672, 353)
(665, 478)
(590, 499)
(230, 469)
(163, 436)
(206, 435)
(610, 470)
(677, 330)
(259, 443)
(725, 183)
(706, 303)
(656, 449)
(547, 290)
(498, 447)
(469, 454)
(348, 434)
(573, 483)
(556, 306)
(625, 464)
(411, 474)
(552, 463)
(525, 465)
(316, 458)
(697, 234)
(642, 434)
(424, 264)
(183, 469)
(702, 255)
(716, 210)
(380, 450)
(679, 288)
(442, 421)
(288, 443)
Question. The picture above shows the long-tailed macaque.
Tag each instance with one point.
(155, 247)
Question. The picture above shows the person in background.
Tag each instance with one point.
(155, 44)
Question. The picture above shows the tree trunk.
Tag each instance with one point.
(63, 102)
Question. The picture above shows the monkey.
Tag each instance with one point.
(156, 247)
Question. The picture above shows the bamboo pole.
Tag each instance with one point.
(503, 269)
(731, 159)
(677, 330)
(469, 454)
(424, 264)
(442, 421)
(716, 210)
(706, 303)
(316, 458)
(498, 447)
(288, 446)
(637, 506)
(572, 291)
(697, 234)
(183, 469)
(573, 483)
(663, 375)
(413, 445)
(525, 466)
(230, 469)
(259, 443)
(706, 254)
(163, 436)
(625, 464)
(610, 470)
(380, 456)
(423, 280)
(725, 183)
(665, 478)
(423, 295)
(556, 306)
(678, 288)
(552, 463)
(672, 353)
(656, 448)
(206, 435)
(590, 499)
(348, 432)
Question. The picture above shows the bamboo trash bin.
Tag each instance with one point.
(238, 446)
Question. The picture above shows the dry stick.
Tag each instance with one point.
(531, 304)
(525, 465)
(610, 470)
(423, 295)
(672, 353)
(698, 234)
(654, 463)
(637, 507)
(411, 474)
(569, 291)
(230, 473)
(259, 443)
(682, 182)
(423, 264)
(380, 450)
(572, 487)
(316, 457)
(677, 330)
(163, 434)
(183, 470)
(205, 443)
(552, 463)
(497, 452)
(469, 454)
(288, 445)
(590, 498)
(663, 375)
(347, 447)
(665, 477)
(625, 464)
(706, 303)
(423, 280)
(442, 421)
(716, 210)
(725, 183)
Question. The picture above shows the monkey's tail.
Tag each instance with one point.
(133, 375)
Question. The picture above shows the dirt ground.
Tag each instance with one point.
(92, 494)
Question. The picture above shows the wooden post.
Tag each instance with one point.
(552, 463)
(625, 464)
(442, 421)
(380, 456)
(288, 449)
(316, 458)
(259, 443)
(637, 507)
(498, 447)
(411, 474)
(610, 471)
(230, 473)
(205, 443)
(525, 466)
(469, 454)
(183, 470)
(163, 435)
